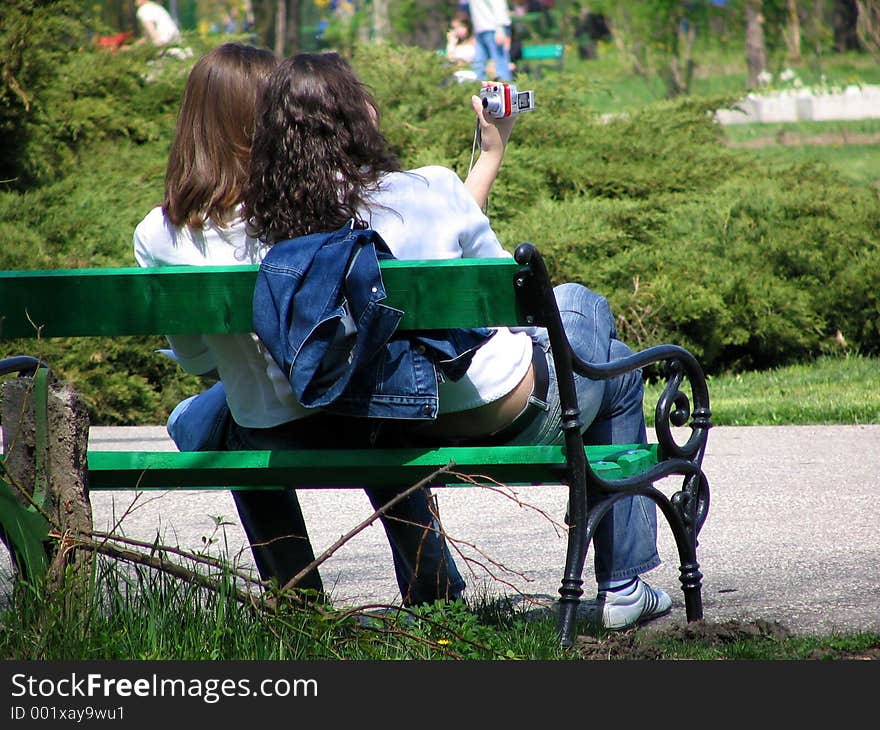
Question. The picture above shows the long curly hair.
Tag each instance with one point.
(208, 161)
(317, 153)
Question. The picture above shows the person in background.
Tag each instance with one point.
(491, 26)
(158, 25)
(232, 21)
(508, 394)
(460, 41)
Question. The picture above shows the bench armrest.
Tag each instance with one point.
(674, 407)
(24, 365)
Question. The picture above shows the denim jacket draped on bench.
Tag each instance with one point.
(318, 310)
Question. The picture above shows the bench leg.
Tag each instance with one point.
(581, 532)
(681, 513)
(571, 590)
(691, 583)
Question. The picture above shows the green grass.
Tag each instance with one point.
(856, 163)
(145, 615)
(719, 71)
(149, 616)
(771, 132)
(613, 88)
(847, 147)
(830, 390)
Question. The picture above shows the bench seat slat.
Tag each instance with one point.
(350, 468)
(135, 301)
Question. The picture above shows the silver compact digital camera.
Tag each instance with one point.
(501, 100)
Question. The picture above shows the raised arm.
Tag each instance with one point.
(494, 134)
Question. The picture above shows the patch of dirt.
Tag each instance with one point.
(636, 644)
(870, 653)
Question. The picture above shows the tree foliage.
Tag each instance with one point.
(693, 242)
(59, 92)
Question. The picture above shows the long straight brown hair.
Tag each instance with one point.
(210, 153)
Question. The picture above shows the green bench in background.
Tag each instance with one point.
(433, 294)
(537, 57)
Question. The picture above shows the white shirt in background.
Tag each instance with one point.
(489, 15)
(155, 15)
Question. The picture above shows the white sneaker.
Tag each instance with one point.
(632, 604)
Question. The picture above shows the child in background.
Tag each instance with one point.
(460, 47)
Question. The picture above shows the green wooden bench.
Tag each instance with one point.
(537, 57)
(433, 294)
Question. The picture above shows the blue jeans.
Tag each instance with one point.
(423, 564)
(486, 48)
(625, 543)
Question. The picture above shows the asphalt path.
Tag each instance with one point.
(791, 536)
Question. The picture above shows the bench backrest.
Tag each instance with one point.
(186, 299)
(543, 52)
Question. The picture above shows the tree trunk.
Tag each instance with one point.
(817, 22)
(264, 21)
(292, 32)
(846, 15)
(429, 25)
(52, 469)
(868, 24)
(792, 32)
(756, 49)
(381, 21)
(280, 27)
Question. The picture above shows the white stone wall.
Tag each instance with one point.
(854, 102)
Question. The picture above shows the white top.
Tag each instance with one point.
(426, 213)
(461, 51)
(489, 15)
(161, 19)
(258, 393)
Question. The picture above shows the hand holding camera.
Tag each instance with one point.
(503, 100)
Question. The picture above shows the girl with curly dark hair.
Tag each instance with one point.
(330, 157)
(319, 160)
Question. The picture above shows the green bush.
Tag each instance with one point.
(749, 266)
(59, 93)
